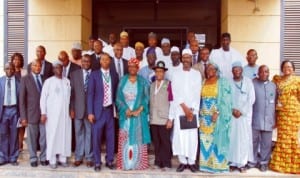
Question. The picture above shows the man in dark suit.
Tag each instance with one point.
(119, 64)
(98, 46)
(202, 62)
(101, 97)
(68, 66)
(9, 114)
(46, 70)
(83, 131)
(30, 114)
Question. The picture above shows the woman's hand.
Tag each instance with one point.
(128, 113)
(215, 116)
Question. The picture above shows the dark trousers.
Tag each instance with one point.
(162, 145)
(9, 150)
(104, 124)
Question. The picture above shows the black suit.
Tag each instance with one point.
(95, 62)
(48, 70)
(125, 66)
(72, 68)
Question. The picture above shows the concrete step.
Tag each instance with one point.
(24, 170)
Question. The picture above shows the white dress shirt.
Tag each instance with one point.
(13, 97)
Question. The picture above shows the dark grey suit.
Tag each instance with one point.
(83, 132)
(29, 103)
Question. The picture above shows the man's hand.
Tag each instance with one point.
(236, 113)
(43, 118)
(91, 118)
(24, 122)
(169, 124)
(72, 114)
(187, 112)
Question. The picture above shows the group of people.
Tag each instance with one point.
(214, 110)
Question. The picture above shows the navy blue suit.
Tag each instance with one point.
(103, 115)
(8, 125)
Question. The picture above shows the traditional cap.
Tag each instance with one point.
(150, 50)
(187, 51)
(76, 46)
(175, 49)
(123, 34)
(139, 44)
(160, 65)
(134, 61)
(165, 40)
(237, 64)
(56, 63)
(152, 35)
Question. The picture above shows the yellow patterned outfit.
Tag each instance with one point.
(213, 158)
(286, 155)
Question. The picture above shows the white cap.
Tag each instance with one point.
(175, 49)
(165, 40)
(76, 46)
(187, 51)
(56, 63)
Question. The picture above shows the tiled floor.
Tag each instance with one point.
(24, 170)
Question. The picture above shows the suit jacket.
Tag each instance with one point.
(95, 62)
(200, 68)
(113, 66)
(78, 95)
(48, 70)
(29, 100)
(72, 68)
(96, 92)
(2, 93)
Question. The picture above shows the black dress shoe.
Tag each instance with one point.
(2, 163)
(181, 168)
(34, 164)
(44, 163)
(263, 168)
(110, 165)
(193, 168)
(97, 168)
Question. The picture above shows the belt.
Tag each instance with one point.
(107, 107)
(10, 106)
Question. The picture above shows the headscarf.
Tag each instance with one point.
(151, 50)
(134, 61)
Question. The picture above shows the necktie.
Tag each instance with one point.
(194, 59)
(119, 69)
(205, 67)
(8, 95)
(64, 72)
(38, 82)
(87, 77)
(106, 88)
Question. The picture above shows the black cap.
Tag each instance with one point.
(160, 65)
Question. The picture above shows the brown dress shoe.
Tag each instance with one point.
(89, 164)
(77, 163)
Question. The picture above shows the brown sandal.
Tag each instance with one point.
(231, 168)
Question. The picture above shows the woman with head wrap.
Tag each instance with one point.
(215, 117)
(133, 105)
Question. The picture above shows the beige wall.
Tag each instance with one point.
(57, 24)
(259, 30)
(1, 37)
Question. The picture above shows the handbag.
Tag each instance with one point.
(185, 124)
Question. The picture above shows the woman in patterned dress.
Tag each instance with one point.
(286, 154)
(215, 117)
(133, 106)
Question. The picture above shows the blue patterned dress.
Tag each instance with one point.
(210, 158)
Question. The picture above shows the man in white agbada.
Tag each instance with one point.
(186, 86)
(54, 103)
(241, 148)
(128, 51)
(225, 56)
(166, 52)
